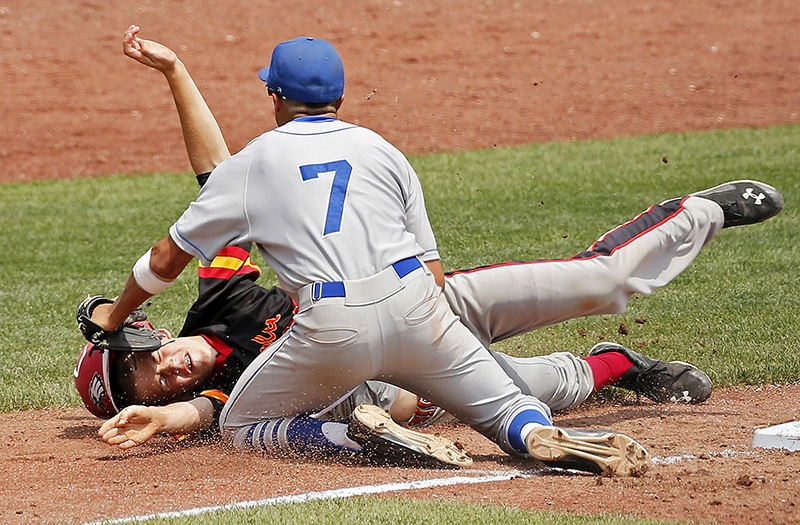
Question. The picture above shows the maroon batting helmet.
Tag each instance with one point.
(93, 373)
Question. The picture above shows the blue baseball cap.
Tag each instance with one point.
(305, 69)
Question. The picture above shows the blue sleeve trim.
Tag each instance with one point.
(203, 256)
(431, 255)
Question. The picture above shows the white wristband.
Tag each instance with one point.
(145, 278)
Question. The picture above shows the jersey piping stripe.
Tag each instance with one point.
(226, 273)
(609, 243)
(284, 132)
(187, 241)
(431, 255)
(298, 134)
(230, 261)
(315, 118)
(223, 351)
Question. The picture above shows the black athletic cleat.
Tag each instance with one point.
(744, 201)
(388, 443)
(596, 451)
(661, 381)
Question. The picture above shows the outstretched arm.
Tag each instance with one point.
(136, 424)
(205, 144)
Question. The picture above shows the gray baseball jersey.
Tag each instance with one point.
(319, 208)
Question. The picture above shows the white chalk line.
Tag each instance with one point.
(728, 453)
(363, 490)
(347, 492)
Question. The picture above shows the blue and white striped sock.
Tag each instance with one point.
(301, 435)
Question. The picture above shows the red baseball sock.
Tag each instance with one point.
(608, 368)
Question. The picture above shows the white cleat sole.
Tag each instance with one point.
(374, 429)
(602, 452)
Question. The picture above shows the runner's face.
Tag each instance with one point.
(179, 366)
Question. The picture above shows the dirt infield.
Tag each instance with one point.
(429, 76)
(704, 468)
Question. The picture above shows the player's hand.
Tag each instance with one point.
(147, 52)
(133, 426)
(100, 315)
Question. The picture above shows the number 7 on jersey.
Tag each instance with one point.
(341, 170)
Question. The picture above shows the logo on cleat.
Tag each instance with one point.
(685, 398)
(748, 192)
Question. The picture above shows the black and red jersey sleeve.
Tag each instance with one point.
(231, 306)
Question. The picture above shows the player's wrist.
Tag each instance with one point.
(146, 278)
(173, 70)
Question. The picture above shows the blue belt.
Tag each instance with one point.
(336, 288)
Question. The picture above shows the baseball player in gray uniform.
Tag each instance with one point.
(362, 316)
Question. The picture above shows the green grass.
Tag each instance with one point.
(733, 312)
(393, 511)
(63, 240)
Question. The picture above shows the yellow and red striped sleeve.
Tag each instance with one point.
(219, 395)
(230, 261)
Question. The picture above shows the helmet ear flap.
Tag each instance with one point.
(92, 372)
